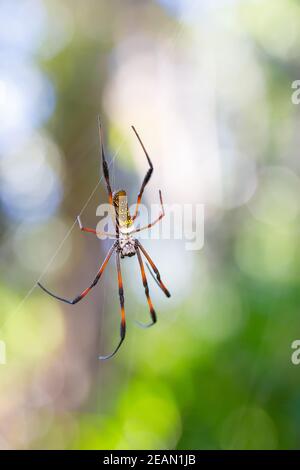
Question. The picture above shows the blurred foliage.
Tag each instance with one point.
(199, 79)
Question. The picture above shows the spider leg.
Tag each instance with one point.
(162, 214)
(157, 274)
(152, 275)
(92, 230)
(87, 290)
(123, 320)
(147, 176)
(145, 284)
(104, 164)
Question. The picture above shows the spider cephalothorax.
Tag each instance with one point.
(124, 224)
(125, 244)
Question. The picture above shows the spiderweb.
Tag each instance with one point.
(63, 241)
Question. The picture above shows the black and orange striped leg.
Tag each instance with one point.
(145, 284)
(123, 319)
(104, 164)
(157, 274)
(85, 229)
(162, 214)
(92, 230)
(87, 290)
(147, 176)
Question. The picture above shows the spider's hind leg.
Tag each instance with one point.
(104, 164)
(157, 274)
(123, 319)
(88, 289)
(145, 284)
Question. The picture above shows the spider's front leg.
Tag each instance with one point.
(147, 176)
(157, 274)
(87, 290)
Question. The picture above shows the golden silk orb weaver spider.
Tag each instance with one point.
(125, 244)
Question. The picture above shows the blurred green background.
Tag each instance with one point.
(208, 86)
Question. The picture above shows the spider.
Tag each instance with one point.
(125, 244)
